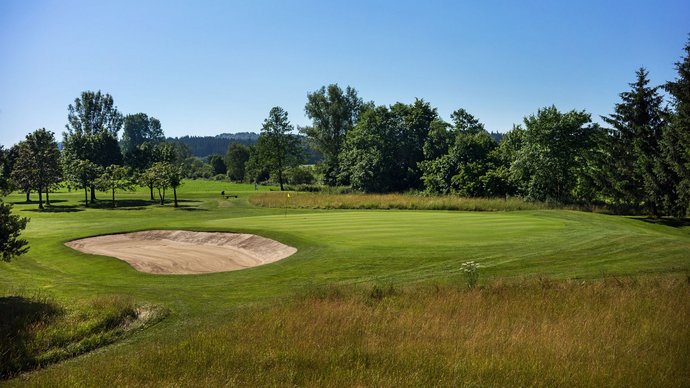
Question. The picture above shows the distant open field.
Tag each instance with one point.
(355, 250)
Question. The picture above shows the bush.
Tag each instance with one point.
(300, 175)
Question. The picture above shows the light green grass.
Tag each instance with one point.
(334, 247)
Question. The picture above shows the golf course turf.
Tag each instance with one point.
(349, 249)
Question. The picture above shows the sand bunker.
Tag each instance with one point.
(185, 252)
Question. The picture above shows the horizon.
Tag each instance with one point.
(215, 67)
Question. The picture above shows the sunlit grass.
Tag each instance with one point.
(597, 333)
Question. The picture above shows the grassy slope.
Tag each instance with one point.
(334, 247)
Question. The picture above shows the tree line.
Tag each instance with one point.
(638, 161)
(93, 157)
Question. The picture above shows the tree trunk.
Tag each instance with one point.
(27, 196)
(175, 196)
(113, 197)
(151, 191)
(86, 196)
(93, 193)
(40, 199)
(280, 179)
(47, 197)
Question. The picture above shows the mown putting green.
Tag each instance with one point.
(334, 247)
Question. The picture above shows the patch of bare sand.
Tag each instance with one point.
(186, 252)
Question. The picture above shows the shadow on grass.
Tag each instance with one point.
(18, 317)
(190, 208)
(122, 204)
(57, 209)
(672, 222)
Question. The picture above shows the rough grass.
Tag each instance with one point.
(537, 333)
(390, 201)
(36, 330)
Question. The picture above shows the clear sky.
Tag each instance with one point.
(207, 67)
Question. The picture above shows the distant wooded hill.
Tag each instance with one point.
(204, 146)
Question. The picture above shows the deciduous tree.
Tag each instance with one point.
(92, 131)
(114, 178)
(38, 163)
(546, 164)
(236, 160)
(333, 113)
(82, 174)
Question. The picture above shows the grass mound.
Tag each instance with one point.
(605, 332)
(36, 331)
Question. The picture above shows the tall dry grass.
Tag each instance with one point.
(390, 201)
(540, 333)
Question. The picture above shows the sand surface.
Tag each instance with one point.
(185, 252)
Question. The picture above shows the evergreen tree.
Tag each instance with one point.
(11, 225)
(637, 170)
(676, 139)
(278, 149)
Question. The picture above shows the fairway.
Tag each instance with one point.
(334, 248)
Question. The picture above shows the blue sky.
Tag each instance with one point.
(205, 67)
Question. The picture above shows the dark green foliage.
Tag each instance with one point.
(140, 133)
(5, 170)
(38, 163)
(114, 178)
(92, 130)
(333, 113)
(546, 167)
(300, 175)
(469, 164)
(675, 141)
(638, 172)
(381, 153)
(235, 159)
(203, 146)
(217, 164)
(82, 174)
(277, 148)
(368, 158)
(11, 226)
(163, 176)
(412, 124)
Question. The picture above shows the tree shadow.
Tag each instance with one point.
(672, 222)
(18, 317)
(190, 208)
(122, 204)
(57, 209)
